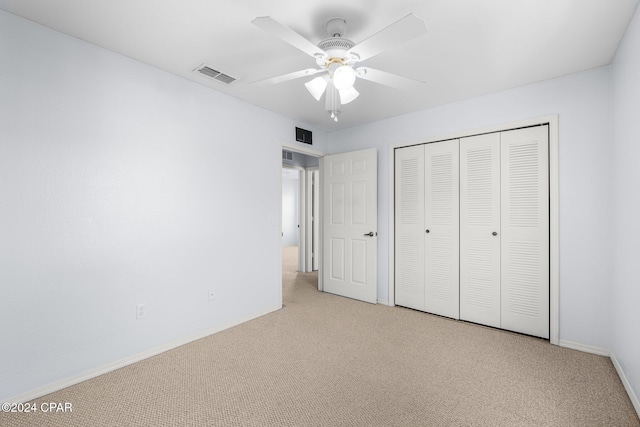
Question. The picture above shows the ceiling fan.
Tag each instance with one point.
(337, 56)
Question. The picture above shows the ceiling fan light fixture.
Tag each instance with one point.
(337, 56)
(348, 95)
(317, 86)
(344, 77)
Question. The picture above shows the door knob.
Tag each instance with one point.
(427, 231)
(370, 234)
(495, 233)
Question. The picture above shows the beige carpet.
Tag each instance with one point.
(324, 360)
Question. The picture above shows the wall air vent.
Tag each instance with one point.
(303, 135)
(214, 74)
(287, 155)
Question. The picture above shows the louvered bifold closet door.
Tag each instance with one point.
(525, 231)
(480, 229)
(410, 231)
(442, 283)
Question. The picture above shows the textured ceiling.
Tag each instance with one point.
(473, 47)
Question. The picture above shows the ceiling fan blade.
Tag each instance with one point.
(388, 79)
(286, 34)
(290, 76)
(400, 31)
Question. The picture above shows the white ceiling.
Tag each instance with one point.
(473, 47)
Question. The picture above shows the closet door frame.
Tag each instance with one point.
(554, 270)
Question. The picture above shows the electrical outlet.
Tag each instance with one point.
(141, 311)
(212, 295)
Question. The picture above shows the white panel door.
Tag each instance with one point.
(525, 231)
(316, 218)
(442, 237)
(410, 230)
(350, 225)
(480, 229)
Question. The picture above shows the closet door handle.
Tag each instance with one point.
(427, 230)
(370, 234)
(495, 233)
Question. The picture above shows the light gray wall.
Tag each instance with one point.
(118, 186)
(290, 208)
(625, 289)
(582, 102)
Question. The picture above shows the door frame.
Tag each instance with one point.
(554, 265)
(309, 217)
(308, 152)
(301, 211)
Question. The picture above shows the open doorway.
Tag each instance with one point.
(347, 223)
(300, 216)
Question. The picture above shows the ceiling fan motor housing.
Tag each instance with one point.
(336, 49)
(336, 27)
(342, 45)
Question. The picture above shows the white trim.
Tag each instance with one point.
(606, 352)
(554, 232)
(626, 383)
(84, 376)
(315, 225)
(600, 351)
(312, 217)
(321, 224)
(302, 150)
(308, 220)
(383, 301)
(391, 297)
(489, 129)
(280, 233)
(554, 264)
(302, 221)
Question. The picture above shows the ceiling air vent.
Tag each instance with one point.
(214, 74)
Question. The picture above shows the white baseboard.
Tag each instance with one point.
(626, 383)
(383, 302)
(84, 376)
(584, 347)
(606, 352)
